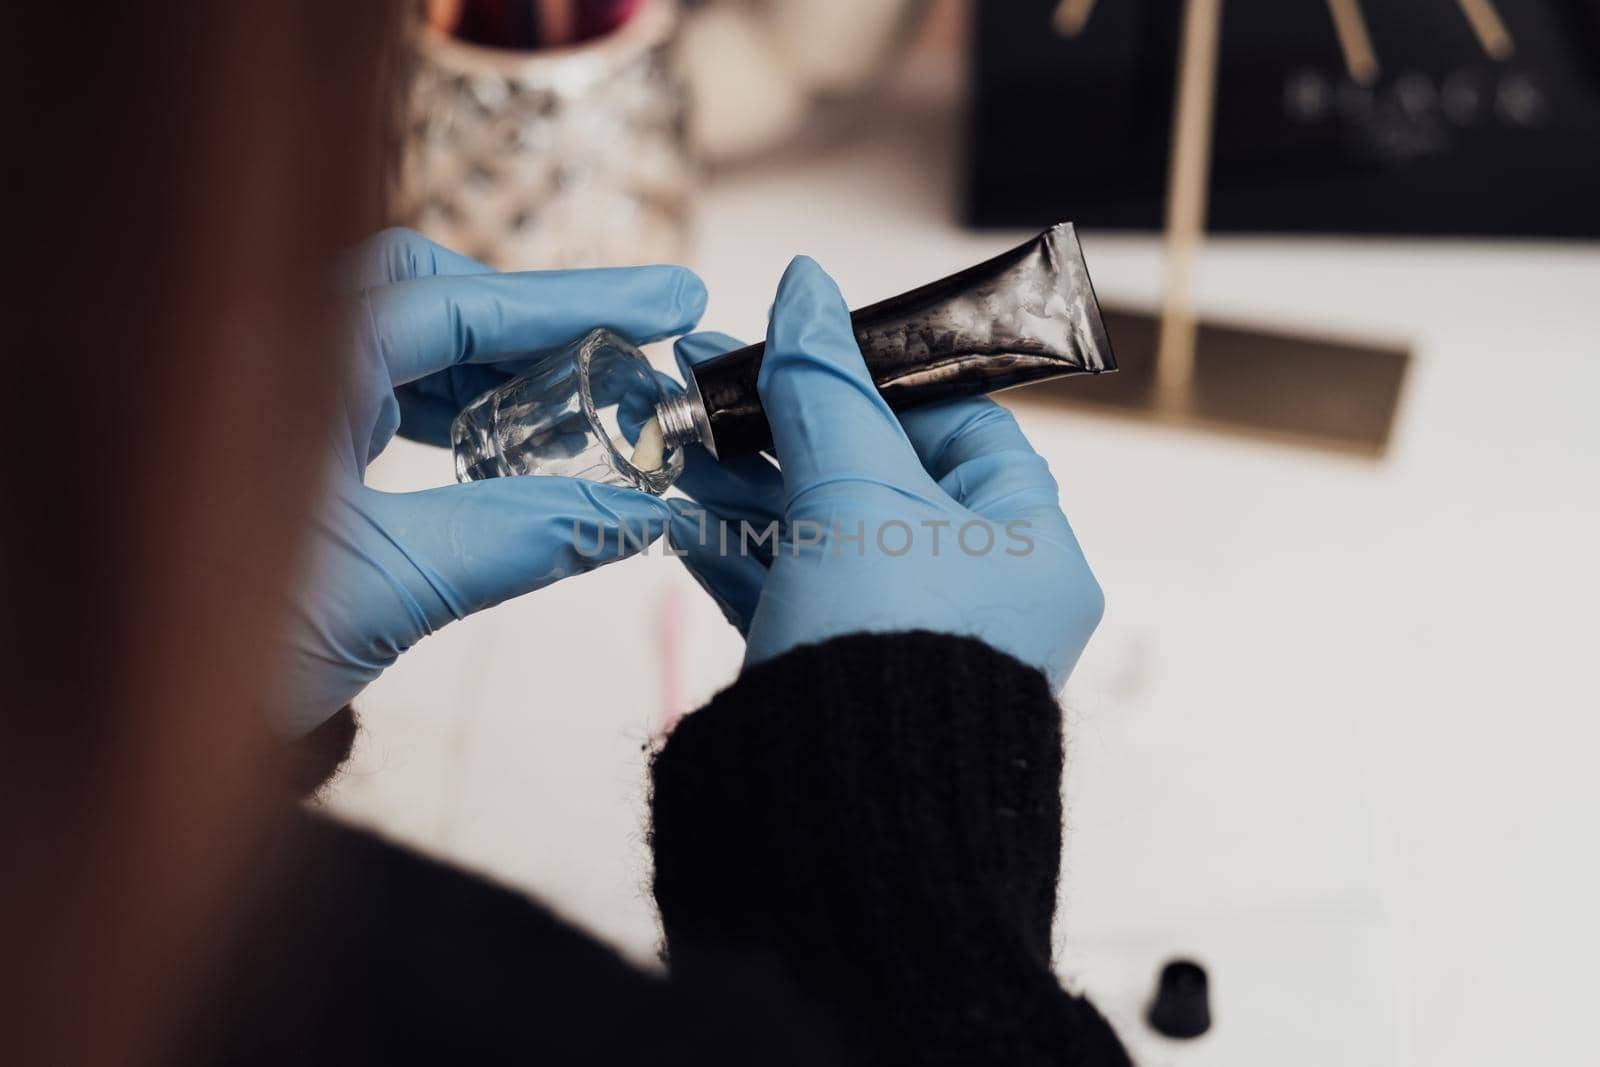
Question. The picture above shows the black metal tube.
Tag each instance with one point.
(1026, 315)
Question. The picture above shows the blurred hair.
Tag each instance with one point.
(183, 172)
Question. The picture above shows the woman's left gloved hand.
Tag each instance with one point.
(431, 331)
(943, 518)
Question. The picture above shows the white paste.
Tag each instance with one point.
(649, 451)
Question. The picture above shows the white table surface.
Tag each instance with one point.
(1338, 733)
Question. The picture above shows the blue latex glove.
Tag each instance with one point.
(432, 330)
(1005, 567)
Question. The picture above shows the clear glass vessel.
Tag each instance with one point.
(596, 411)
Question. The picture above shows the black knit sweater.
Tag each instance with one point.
(856, 850)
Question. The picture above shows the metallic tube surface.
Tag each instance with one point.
(1024, 316)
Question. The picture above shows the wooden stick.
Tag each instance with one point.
(1354, 41)
(1188, 176)
(444, 15)
(1489, 28)
(556, 23)
(1072, 16)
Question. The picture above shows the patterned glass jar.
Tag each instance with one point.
(565, 157)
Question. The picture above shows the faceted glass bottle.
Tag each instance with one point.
(596, 411)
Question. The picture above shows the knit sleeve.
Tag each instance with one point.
(879, 818)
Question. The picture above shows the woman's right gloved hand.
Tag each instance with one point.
(941, 519)
(429, 331)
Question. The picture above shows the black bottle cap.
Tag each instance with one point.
(1181, 1007)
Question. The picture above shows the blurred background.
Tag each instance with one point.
(1336, 737)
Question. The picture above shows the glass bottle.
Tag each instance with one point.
(597, 410)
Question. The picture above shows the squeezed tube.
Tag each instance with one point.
(1026, 315)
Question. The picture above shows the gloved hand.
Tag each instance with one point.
(942, 519)
(433, 330)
